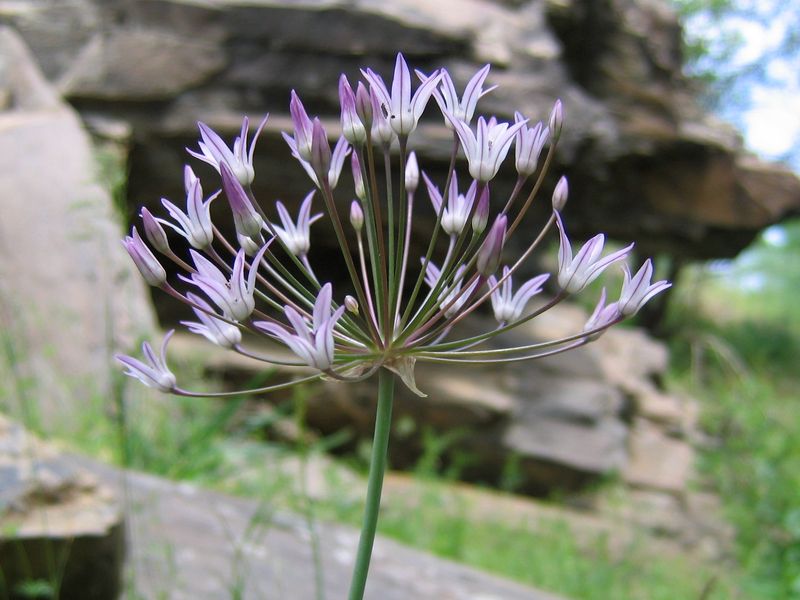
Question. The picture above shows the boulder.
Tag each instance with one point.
(69, 294)
(58, 525)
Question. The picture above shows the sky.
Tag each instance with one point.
(767, 107)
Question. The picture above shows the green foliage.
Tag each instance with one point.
(742, 365)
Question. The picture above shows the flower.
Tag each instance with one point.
(335, 161)
(215, 152)
(234, 296)
(211, 327)
(459, 207)
(194, 224)
(391, 324)
(603, 316)
(154, 232)
(403, 110)
(450, 299)
(246, 219)
(486, 150)
(575, 274)
(447, 97)
(530, 141)
(488, 258)
(637, 290)
(154, 372)
(352, 128)
(152, 271)
(313, 342)
(296, 237)
(508, 307)
(302, 128)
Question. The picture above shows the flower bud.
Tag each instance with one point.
(351, 304)
(154, 232)
(481, 216)
(148, 265)
(352, 128)
(556, 120)
(248, 244)
(560, 194)
(358, 179)
(412, 173)
(356, 215)
(363, 105)
(320, 151)
(490, 253)
(245, 217)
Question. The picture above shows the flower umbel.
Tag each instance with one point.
(391, 322)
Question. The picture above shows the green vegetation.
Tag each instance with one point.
(743, 366)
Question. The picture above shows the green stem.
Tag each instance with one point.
(377, 468)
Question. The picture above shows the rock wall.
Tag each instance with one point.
(69, 295)
(645, 161)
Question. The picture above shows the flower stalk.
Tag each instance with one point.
(377, 469)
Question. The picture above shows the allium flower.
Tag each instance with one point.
(246, 218)
(452, 299)
(447, 97)
(302, 128)
(312, 342)
(530, 141)
(508, 306)
(154, 372)
(194, 224)
(603, 315)
(296, 236)
(459, 206)
(488, 257)
(214, 151)
(152, 271)
(487, 149)
(352, 128)
(383, 320)
(233, 296)
(637, 290)
(575, 274)
(335, 161)
(404, 110)
(212, 328)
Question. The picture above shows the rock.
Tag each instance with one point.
(218, 544)
(70, 294)
(645, 161)
(57, 522)
(560, 428)
(658, 461)
(141, 65)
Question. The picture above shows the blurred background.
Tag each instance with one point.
(663, 461)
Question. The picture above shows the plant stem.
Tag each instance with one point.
(377, 468)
